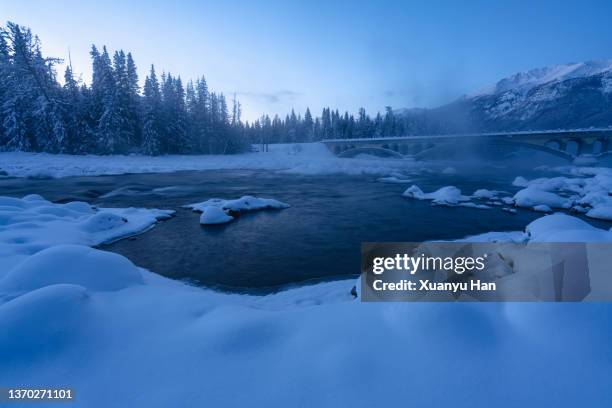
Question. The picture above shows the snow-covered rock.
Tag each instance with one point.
(103, 221)
(212, 215)
(219, 211)
(245, 203)
(394, 179)
(589, 193)
(486, 194)
(474, 205)
(449, 195)
(542, 208)
(601, 212)
(531, 197)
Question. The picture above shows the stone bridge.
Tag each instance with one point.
(567, 144)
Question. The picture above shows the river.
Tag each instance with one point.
(319, 237)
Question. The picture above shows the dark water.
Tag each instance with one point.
(318, 237)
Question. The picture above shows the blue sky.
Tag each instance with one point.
(281, 54)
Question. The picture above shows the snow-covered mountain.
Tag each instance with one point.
(522, 82)
(560, 96)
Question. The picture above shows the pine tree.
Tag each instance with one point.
(133, 108)
(31, 110)
(152, 129)
(389, 122)
(112, 132)
(73, 113)
(326, 125)
(308, 126)
(201, 117)
(175, 116)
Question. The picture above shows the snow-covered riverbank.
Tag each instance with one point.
(298, 158)
(75, 316)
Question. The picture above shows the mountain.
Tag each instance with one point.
(561, 96)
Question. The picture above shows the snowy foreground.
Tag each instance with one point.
(298, 158)
(122, 336)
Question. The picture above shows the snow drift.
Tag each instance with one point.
(103, 324)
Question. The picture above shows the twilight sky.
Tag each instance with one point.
(276, 55)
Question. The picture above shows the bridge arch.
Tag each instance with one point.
(372, 150)
(574, 147)
(600, 146)
(554, 146)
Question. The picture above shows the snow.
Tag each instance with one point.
(449, 195)
(394, 180)
(607, 84)
(523, 82)
(520, 182)
(397, 178)
(73, 264)
(486, 194)
(588, 192)
(532, 197)
(245, 203)
(40, 323)
(601, 212)
(294, 158)
(212, 215)
(546, 229)
(31, 224)
(84, 318)
(219, 211)
(542, 208)
(557, 227)
(474, 205)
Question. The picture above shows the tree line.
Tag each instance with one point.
(113, 115)
(330, 125)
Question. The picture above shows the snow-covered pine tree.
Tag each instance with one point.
(113, 131)
(308, 126)
(175, 115)
(326, 125)
(389, 122)
(18, 104)
(31, 110)
(201, 116)
(134, 111)
(75, 115)
(152, 129)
